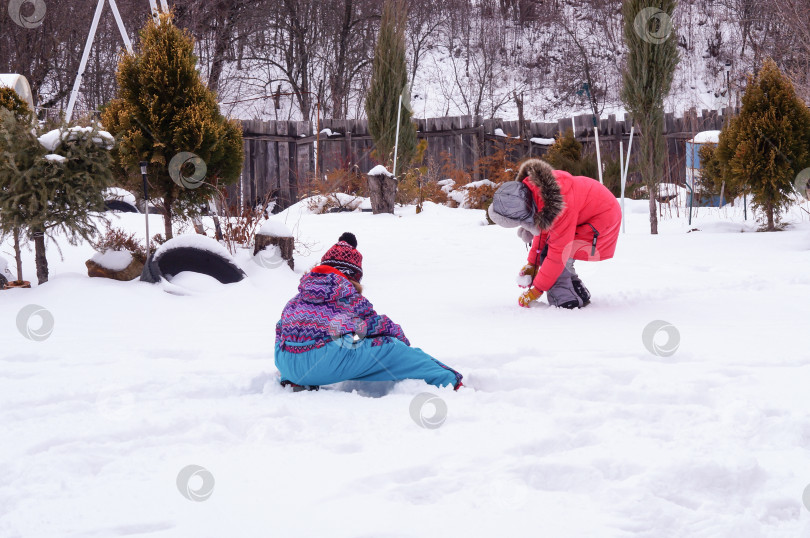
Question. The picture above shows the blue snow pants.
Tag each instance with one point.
(345, 360)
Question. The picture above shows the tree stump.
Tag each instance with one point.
(131, 272)
(382, 188)
(285, 246)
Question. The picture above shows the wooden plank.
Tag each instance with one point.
(261, 177)
(285, 194)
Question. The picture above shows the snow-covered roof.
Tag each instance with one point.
(704, 137)
(19, 84)
(380, 170)
(542, 141)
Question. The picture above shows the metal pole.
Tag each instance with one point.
(120, 24)
(396, 138)
(317, 137)
(144, 164)
(629, 147)
(623, 182)
(598, 154)
(90, 38)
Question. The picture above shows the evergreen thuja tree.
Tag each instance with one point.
(389, 80)
(762, 150)
(647, 79)
(163, 110)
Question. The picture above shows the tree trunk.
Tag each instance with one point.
(17, 253)
(652, 183)
(383, 193)
(769, 212)
(167, 217)
(41, 260)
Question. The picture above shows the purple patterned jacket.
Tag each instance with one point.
(326, 308)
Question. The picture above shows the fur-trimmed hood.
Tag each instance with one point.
(541, 175)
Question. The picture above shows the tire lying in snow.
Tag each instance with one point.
(194, 253)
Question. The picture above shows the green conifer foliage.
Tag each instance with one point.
(763, 149)
(647, 79)
(389, 80)
(163, 109)
(61, 191)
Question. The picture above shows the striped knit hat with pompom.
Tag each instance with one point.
(344, 257)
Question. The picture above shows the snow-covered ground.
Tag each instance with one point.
(568, 426)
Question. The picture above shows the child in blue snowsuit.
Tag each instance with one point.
(329, 332)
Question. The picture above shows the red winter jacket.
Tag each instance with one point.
(570, 211)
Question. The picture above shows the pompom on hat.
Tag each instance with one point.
(345, 257)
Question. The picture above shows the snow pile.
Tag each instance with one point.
(542, 141)
(675, 193)
(318, 204)
(275, 228)
(461, 195)
(4, 270)
(55, 158)
(380, 170)
(114, 260)
(117, 193)
(52, 139)
(196, 241)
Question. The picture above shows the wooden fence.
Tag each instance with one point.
(280, 155)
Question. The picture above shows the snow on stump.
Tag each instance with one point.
(382, 188)
(114, 264)
(191, 253)
(279, 243)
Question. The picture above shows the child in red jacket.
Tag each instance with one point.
(566, 218)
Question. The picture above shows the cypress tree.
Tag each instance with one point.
(762, 150)
(389, 80)
(647, 79)
(164, 109)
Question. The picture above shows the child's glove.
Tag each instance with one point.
(526, 275)
(528, 296)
